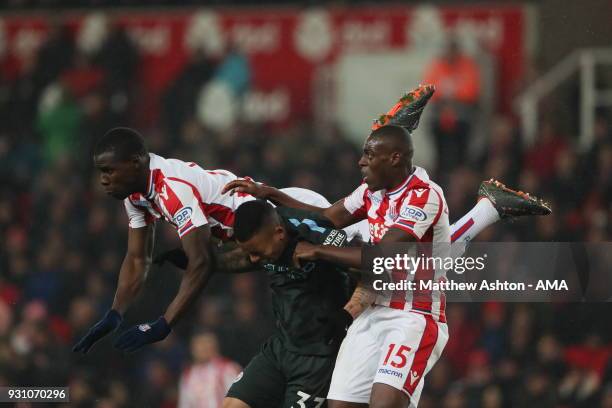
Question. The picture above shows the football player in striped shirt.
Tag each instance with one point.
(391, 346)
(189, 198)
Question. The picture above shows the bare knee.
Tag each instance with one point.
(385, 396)
(229, 402)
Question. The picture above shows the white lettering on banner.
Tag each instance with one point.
(151, 40)
(317, 42)
(357, 34)
(251, 38)
(27, 41)
(204, 32)
(489, 32)
(271, 106)
(314, 35)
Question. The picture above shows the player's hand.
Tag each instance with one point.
(304, 251)
(336, 327)
(110, 321)
(247, 187)
(143, 334)
(176, 257)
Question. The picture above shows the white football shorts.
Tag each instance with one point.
(388, 346)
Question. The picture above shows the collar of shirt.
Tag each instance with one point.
(153, 158)
(413, 180)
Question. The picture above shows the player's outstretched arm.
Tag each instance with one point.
(135, 266)
(361, 299)
(133, 272)
(346, 256)
(228, 258)
(197, 274)
(197, 247)
(337, 213)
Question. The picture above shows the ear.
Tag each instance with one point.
(137, 161)
(280, 231)
(396, 158)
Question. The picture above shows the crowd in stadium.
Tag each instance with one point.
(63, 242)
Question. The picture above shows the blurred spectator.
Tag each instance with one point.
(204, 383)
(219, 103)
(503, 155)
(119, 58)
(54, 57)
(493, 337)
(58, 122)
(465, 336)
(158, 386)
(542, 158)
(492, 397)
(478, 375)
(606, 399)
(537, 391)
(180, 97)
(457, 80)
(235, 71)
(550, 356)
(244, 334)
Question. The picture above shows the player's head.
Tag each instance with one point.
(123, 161)
(259, 231)
(204, 346)
(387, 152)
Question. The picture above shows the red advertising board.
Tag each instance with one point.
(285, 46)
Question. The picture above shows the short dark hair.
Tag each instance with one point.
(123, 142)
(250, 217)
(397, 133)
(396, 137)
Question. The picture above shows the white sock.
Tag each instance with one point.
(471, 224)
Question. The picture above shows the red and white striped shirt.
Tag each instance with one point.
(187, 196)
(417, 206)
(205, 385)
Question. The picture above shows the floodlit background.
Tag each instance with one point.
(286, 94)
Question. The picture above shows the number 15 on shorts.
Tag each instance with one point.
(397, 355)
